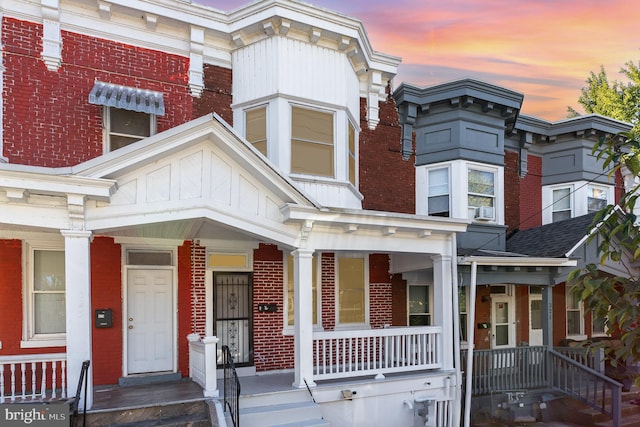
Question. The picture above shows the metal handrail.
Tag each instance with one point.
(231, 387)
(587, 385)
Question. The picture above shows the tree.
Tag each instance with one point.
(617, 99)
(616, 299)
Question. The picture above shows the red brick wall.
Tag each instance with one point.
(483, 315)
(48, 118)
(328, 278)
(198, 289)
(380, 291)
(106, 292)
(522, 310)
(386, 181)
(559, 314)
(184, 306)
(11, 297)
(272, 349)
(531, 194)
(216, 96)
(511, 191)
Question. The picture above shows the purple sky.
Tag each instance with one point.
(544, 49)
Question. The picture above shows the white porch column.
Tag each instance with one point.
(78, 308)
(303, 317)
(443, 306)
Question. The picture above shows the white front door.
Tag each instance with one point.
(503, 328)
(150, 341)
(535, 315)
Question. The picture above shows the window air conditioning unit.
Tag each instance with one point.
(485, 213)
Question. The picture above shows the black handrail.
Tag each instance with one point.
(74, 402)
(231, 387)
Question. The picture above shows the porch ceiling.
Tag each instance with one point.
(180, 230)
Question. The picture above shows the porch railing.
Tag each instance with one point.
(41, 377)
(582, 383)
(531, 368)
(351, 353)
(231, 387)
(202, 363)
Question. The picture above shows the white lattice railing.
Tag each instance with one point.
(202, 363)
(341, 354)
(33, 376)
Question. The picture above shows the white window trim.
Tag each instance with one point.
(429, 287)
(317, 327)
(106, 127)
(30, 339)
(458, 188)
(581, 336)
(579, 198)
(367, 321)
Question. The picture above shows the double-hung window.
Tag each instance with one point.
(124, 127)
(481, 193)
(44, 297)
(438, 192)
(561, 204)
(574, 314)
(596, 198)
(419, 305)
(312, 142)
(352, 290)
(256, 128)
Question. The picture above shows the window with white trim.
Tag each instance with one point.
(256, 128)
(124, 127)
(481, 193)
(463, 308)
(597, 198)
(352, 287)
(419, 305)
(352, 161)
(312, 142)
(44, 296)
(561, 204)
(290, 290)
(575, 314)
(438, 192)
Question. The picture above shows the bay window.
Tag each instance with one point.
(256, 128)
(312, 142)
(438, 192)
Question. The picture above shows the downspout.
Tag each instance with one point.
(470, 341)
(456, 325)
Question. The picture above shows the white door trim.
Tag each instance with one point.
(511, 321)
(174, 311)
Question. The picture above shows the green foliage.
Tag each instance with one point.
(617, 99)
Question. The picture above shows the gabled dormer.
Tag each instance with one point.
(299, 74)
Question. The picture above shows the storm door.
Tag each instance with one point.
(535, 315)
(233, 320)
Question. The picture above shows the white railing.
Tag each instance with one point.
(33, 376)
(202, 363)
(340, 354)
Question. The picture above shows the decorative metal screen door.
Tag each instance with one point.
(233, 302)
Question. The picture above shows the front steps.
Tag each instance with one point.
(195, 414)
(294, 408)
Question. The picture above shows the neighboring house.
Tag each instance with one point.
(171, 170)
(530, 188)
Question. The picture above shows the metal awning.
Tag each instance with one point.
(127, 98)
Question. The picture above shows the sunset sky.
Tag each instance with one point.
(544, 49)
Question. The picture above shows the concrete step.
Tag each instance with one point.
(194, 413)
(289, 414)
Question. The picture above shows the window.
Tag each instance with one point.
(438, 192)
(462, 307)
(124, 127)
(290, 294)
(598, 325)
(481, 193)
(419, 307)
(256, 128)
(312, 142)
(352, 290)
(45, 314)
(561, 204)
(352, 154)
(596, 198)
(574, 314)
